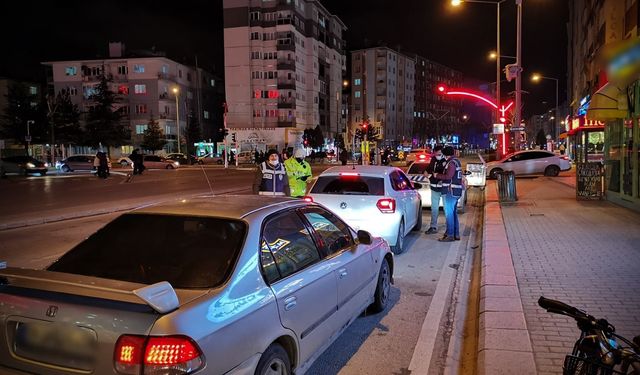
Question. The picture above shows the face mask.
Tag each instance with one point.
(274, 163)
(439, 157)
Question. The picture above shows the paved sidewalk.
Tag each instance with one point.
(584, 253)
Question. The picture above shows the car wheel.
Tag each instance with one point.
(494, 173)
(418, 225)
(43, 173)
(65, 168)
(124, 163)
(383, 289)
(23, 172)
(552, 170)
(274, 361)
(169, 166)
(398, 248)
(219, 162)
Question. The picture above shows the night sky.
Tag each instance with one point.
(459, 38)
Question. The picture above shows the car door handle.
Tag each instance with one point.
(342, 273)
(290, 303)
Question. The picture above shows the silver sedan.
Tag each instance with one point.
(222, 285)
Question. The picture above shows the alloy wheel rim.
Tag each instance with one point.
(276, 367)
(386, 285)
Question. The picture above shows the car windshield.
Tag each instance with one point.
(357, 185)
(186, 251)
(417, 168)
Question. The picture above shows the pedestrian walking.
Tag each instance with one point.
(562, 148)
(436, 165)
(299, 173)
(344, 156)
(452, 185)
(138, 162)
(271, 176)
(103, 164)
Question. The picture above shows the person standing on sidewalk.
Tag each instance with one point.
(271, 176)
(436, 165)
(452, 188)
(298, 172)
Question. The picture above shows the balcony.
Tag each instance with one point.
(282, 46)
(286, 84)
(166, 76)
(165, 96)
(287, 122)
(286, 64)
(286, 103)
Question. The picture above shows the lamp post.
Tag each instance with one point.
(497, 55)
(176, 92)
(518, 108)
(537, 78)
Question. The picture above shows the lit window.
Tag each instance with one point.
(165, 69)
(71, 70)
(357, 82)
(212, 83)
(123, 89)
(206, 114)
(33, 90)
(138, 68)
(140, 89)
(140, 129)
(357, 94)
(141, 108)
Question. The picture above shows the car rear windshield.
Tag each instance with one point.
(355, 185)
(186, 251)
(417, 168)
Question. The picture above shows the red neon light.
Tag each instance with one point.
(441, 88)
(463, 93)
(504, 145)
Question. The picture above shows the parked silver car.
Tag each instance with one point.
(223, 285)
(77, 163)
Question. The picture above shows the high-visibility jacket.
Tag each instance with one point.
(455, 186)
(272, 179)
(296, 172)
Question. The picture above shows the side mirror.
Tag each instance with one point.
(364, 237)
(467, 173)
(417, 186)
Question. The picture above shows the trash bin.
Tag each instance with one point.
(507, 186)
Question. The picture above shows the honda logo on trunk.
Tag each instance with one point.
(52, 311)
(343, 205)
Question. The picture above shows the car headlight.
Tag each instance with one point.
(31, 165)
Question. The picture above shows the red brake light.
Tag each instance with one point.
(349, 174)
(423, 156)
(386, 205)
(308, 199)
(564, 157)
(179, 353)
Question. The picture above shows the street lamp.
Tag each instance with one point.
(536, 77)
(176, 92)
(494, 55)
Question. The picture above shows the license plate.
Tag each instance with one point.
(62, 345)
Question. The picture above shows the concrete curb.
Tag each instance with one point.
(104, 210)
(504, 345)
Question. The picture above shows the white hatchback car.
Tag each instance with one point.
(415, 172)
(530, 162)
(381, 200)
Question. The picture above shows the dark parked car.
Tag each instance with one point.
(23, 165)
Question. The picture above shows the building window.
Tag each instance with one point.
(206, 115)
(141, 108)
(140, 89)
(71, 70)
(122, 69)
(212, 83)
(357, 82)
(33, 90)
(167, 110)
(357, 94)
(254, 16)
(255, 35)
(138, 68)
(140, 129)
(188, 76)
(123, 89)
(72, 91)
(179, 73)
(165, 69)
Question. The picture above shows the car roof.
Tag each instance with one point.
(230, 206)
(372, 170)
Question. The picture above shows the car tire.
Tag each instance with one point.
(383, 289)
(124, 163)
(398, 248)
(65, 168)
(169, 166)
(219, 162)
(552, 171)
(274, 360)
(494, 173)
(42, 174)
(418, 225)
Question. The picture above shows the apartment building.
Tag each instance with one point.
(605, 101)
(33, 93)
(383, 92)
(284, 64)
(145, 88)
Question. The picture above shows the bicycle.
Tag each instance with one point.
(599, 350)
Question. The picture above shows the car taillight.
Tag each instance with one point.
(172, 355)
(564, 157)
(308, 199)
(386, 205)
(349, 174)
(423, 157)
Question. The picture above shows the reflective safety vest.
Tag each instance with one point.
(272, 179)
(296, 171)
(454, 186)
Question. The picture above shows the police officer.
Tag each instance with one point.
(436, 165)
(271, 176)
(452, 188)
(299, 173)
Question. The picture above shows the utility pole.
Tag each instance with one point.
(518, 109)
(224, 134)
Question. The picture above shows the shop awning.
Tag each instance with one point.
(562, 135)
(585, 128)
(608, 103)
